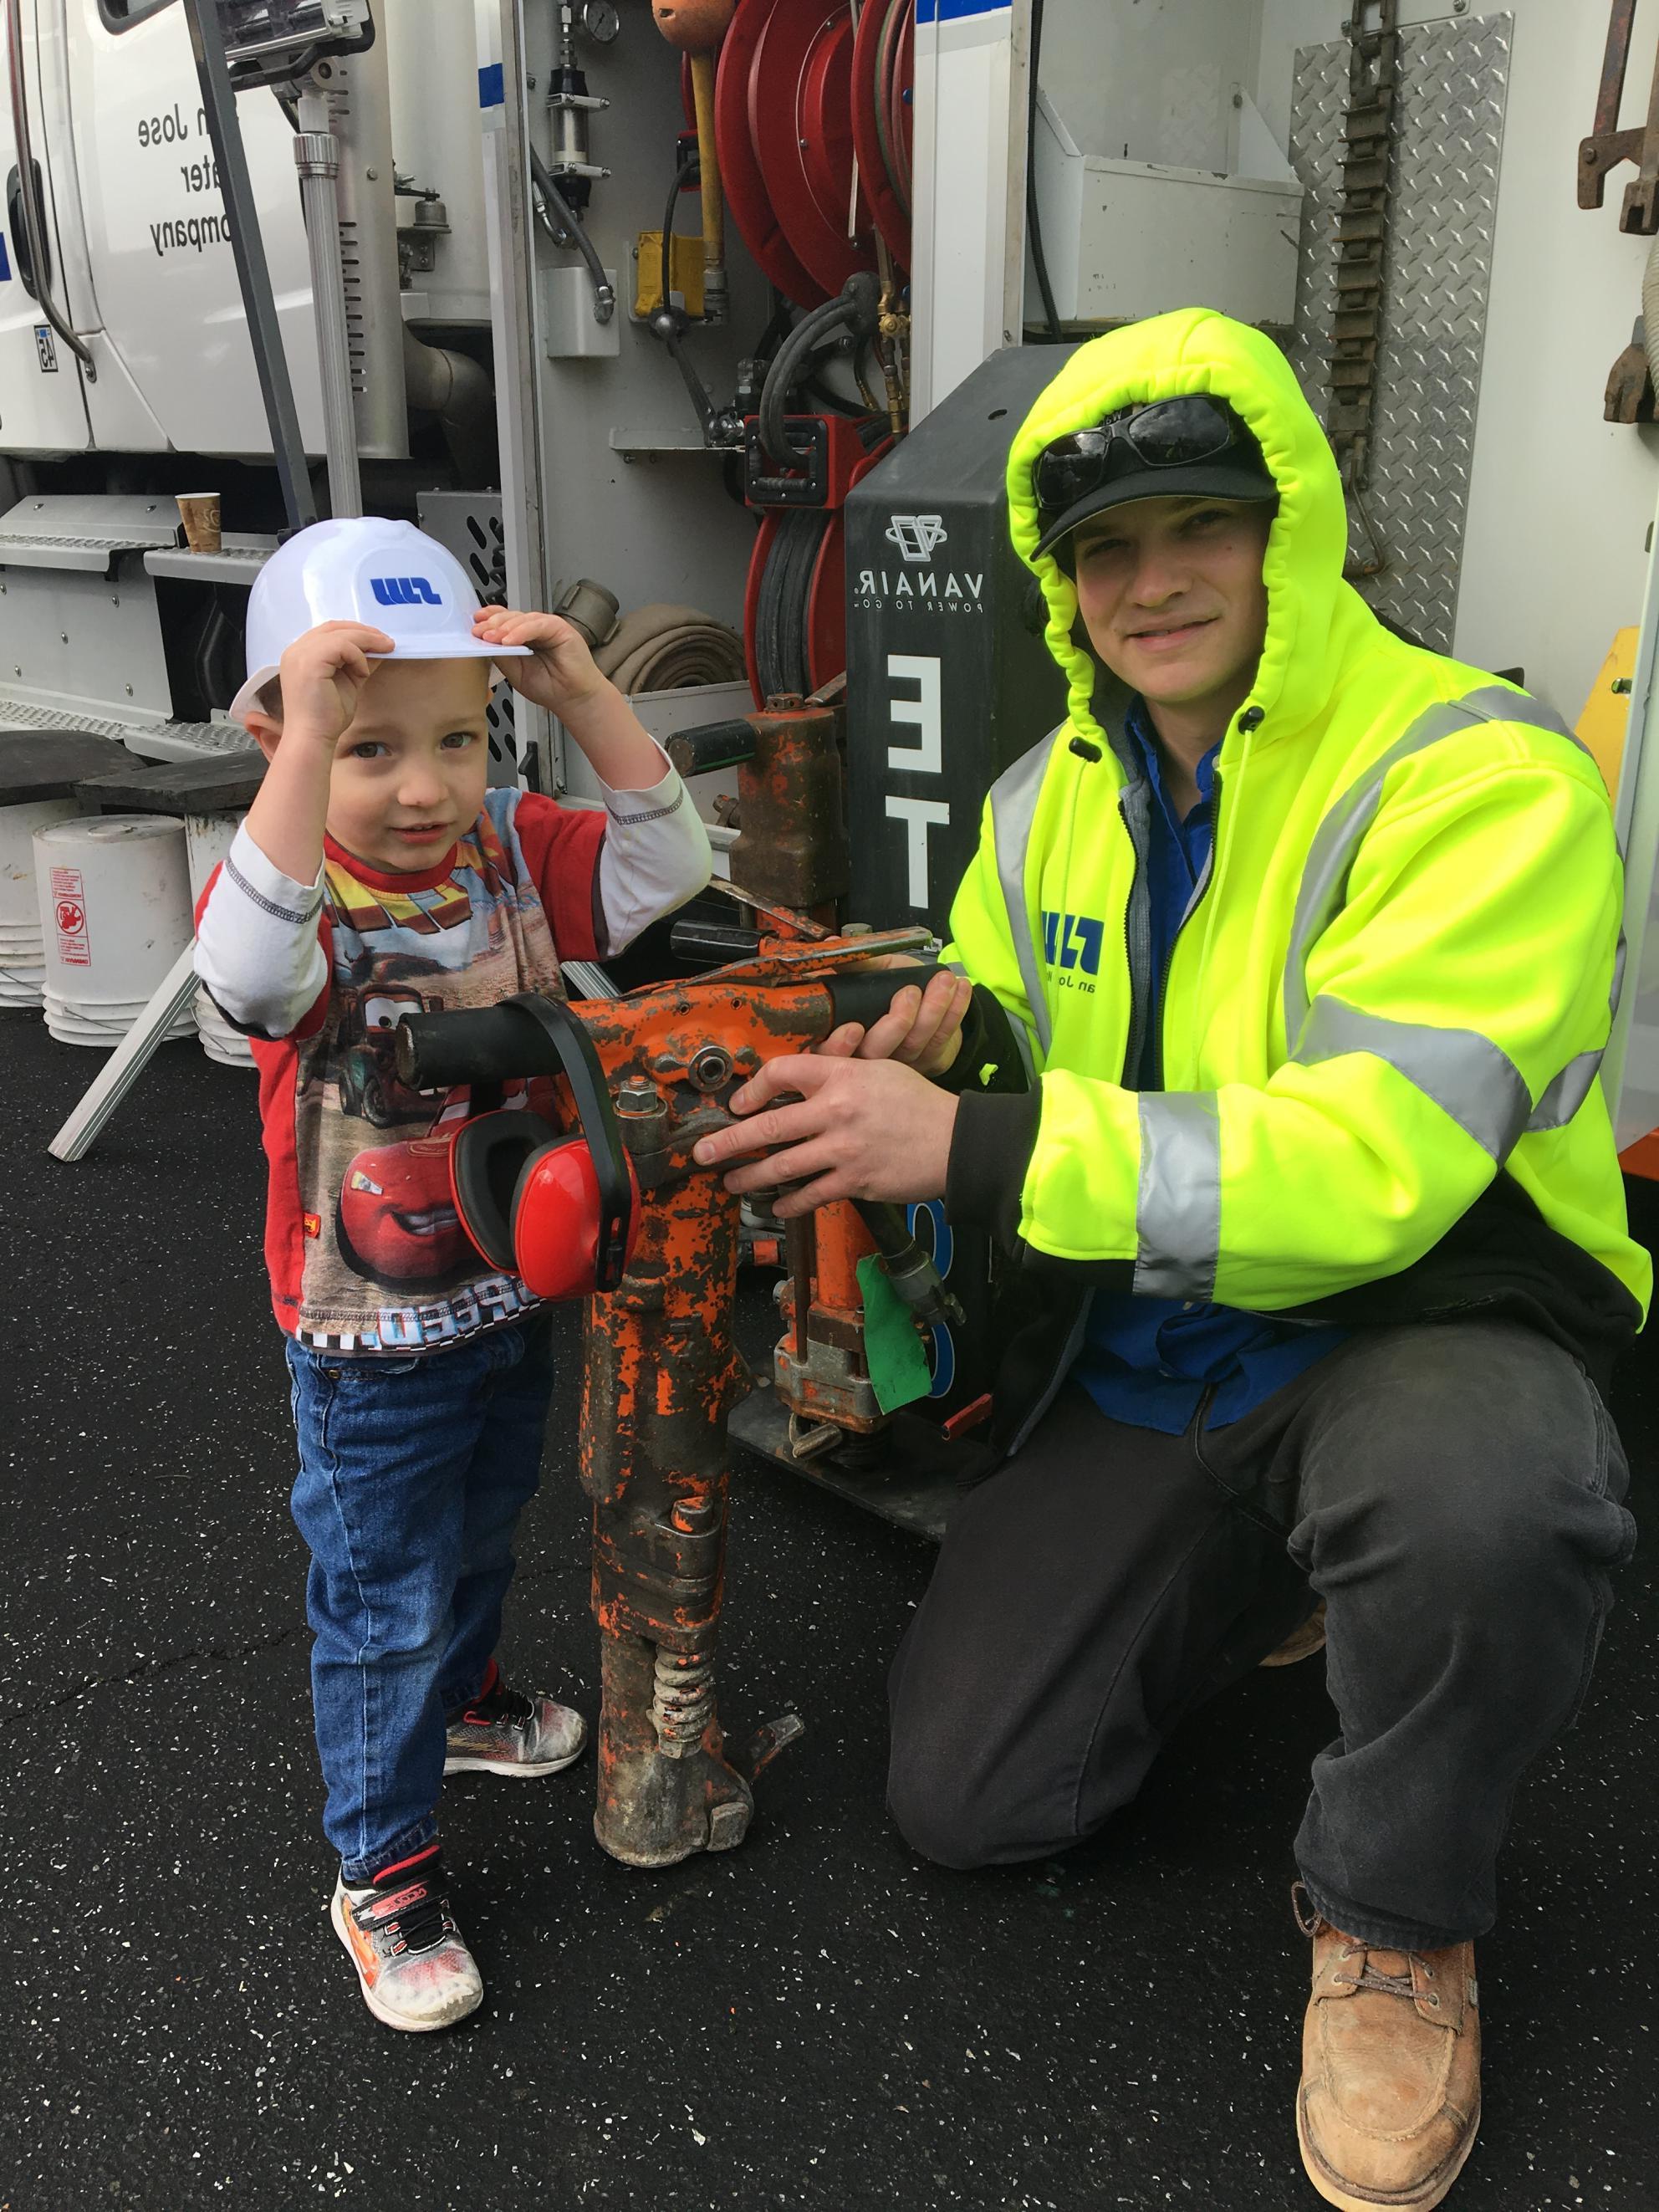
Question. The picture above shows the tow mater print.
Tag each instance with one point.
(368, 1005)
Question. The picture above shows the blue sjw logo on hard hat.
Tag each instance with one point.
(405, 592)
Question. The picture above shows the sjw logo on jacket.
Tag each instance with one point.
(1072, 940)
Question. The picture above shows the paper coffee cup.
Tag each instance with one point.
(200, 513)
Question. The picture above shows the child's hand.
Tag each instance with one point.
(560, 675)
(323, 675)
(922, 1028)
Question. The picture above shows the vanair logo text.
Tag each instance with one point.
(405, 592)
(935, 591)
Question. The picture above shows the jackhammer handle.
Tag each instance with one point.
(864, 994)
(493, 1044)
(477, 1044)
(711, 745)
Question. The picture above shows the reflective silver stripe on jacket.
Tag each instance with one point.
(1178, 1205)
(1336, 843)
(1562, 1099)
(1013, 810)
(1465, 1074)
(1445, 1072)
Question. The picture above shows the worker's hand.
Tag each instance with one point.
(560, 673)
(859, 1129)
(323, 674)
(922, 1027)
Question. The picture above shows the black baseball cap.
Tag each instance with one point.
(1191, 448)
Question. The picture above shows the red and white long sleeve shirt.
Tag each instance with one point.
(365, 1252)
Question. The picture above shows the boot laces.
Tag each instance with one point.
(1371, 1977)
(1312, 1921)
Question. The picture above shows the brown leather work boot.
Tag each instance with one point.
(1390, 2096)
(1304, 1642)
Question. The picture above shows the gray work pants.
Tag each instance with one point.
(1452, 1491)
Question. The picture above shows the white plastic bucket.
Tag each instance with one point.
(114, 906)
(207, 841)
(20, 986)
(22, 957)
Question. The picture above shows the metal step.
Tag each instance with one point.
(170, 741)
(239, 560)
(84, 530)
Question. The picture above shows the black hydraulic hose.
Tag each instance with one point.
(785, 373)
(688, 162)
(857, 308)
(912, 1271)
(1033, 213)
(605, 298)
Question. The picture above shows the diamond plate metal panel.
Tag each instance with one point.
(1452, 86)
(468, 524)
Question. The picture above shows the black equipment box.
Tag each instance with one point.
(948, 677)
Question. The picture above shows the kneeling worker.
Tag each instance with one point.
(1307, 939)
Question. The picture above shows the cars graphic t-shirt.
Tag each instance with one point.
(365, 1253)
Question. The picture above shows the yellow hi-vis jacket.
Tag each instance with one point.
(1386, 1008)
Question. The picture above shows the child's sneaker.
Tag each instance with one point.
(503, 1732)
(412, 1962)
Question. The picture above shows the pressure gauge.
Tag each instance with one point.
(601, 21)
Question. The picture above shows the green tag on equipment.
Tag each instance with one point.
(893, 1353)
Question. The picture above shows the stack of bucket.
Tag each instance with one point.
(114, 916)
(23, 953)
(207, 840)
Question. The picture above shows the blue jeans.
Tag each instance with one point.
(413, 1474)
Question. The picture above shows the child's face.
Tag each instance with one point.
(411, 768)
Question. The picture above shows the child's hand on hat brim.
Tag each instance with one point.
(559, 674)
(324, 673)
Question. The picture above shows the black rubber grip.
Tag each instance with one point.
(864, 994)
(710, 745)
(482, 1044)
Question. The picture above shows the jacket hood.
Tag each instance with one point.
(1166, 357)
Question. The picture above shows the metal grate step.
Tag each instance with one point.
(84, 530)
(174, 741)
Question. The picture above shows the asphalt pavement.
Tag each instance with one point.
(819, 2020)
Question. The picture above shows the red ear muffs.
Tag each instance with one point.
(563, 1212)
(485, 1161)
(556, 1215)
(529, 1198)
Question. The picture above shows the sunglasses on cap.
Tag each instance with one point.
(1169, 433)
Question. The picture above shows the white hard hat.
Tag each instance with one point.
(362, 569)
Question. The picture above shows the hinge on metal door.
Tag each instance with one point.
(1362, 231)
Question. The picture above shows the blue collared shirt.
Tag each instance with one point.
(1149, 1362)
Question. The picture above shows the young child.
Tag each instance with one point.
(377, 876)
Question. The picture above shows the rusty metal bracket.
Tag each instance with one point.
(1607, 146)
(1629, 394)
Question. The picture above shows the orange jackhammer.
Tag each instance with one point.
(662, 1371)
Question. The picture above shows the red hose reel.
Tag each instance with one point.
(813, 124)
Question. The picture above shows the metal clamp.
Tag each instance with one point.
(316, 154)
